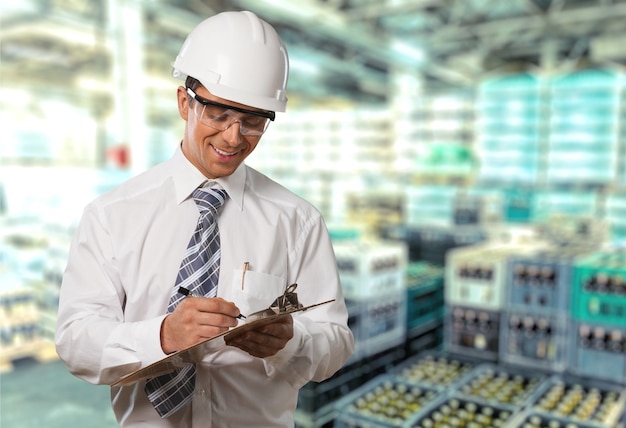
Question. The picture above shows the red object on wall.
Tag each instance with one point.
(119, 156)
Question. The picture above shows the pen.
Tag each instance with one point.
(188, 293)
(246, 265)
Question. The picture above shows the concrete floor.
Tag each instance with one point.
(38, 395)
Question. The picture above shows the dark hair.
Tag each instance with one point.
(192, 83)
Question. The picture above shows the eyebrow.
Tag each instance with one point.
(263, 113)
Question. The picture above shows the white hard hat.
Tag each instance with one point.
(239, 57)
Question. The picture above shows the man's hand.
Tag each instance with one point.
(196, 319)
(265, 340)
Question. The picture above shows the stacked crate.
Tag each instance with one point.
(518, 203)
(535, 320)
(394, 398)
(509, 129)
(425, 305)
(488, 396)
(23, 253)
(431, 243)
(385, 402)
(475, 285)
(372, 277)
(599, 313)
(569, 401)
(480, 205)
(435, 369)
(20, 333)
(375, 209)
(314, 141)
(317, 401)
(616, 212)
(431, 204)
(373, 280)
(569, 208)
(433, 132)
(436, 389)
(583, 128)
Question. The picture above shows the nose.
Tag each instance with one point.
(232, 134)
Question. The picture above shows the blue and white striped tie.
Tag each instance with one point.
(199, 274)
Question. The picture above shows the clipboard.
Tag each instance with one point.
(185, 356)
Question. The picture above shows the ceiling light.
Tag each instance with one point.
(408, 52)
(304, 66)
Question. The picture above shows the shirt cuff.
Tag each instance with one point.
(132, 346)
(282, 361)
(148, 340)
(284, 355)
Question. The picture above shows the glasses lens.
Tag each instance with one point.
(221, 118)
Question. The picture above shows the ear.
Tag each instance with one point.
(183, 102)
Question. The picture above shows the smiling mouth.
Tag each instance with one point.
(223, 153)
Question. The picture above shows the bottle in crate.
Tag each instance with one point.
(460, 412)
(535, 325)
(573, 399)
(510, 387)
(475, 276)
(379, 323)
(598, 351)
(535, 339)
(473, 332)
(384, 402)
(598, 312)
(599, 290)
(542, 280)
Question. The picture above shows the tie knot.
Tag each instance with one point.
(209, 200)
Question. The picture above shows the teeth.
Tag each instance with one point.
(223, 153)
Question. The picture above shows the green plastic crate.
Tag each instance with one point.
(599, 288)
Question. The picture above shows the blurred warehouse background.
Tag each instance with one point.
(469, 157)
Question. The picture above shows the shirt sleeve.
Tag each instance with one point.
(322, 341)
(91, 337)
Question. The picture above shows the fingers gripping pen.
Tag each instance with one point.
(188, 293)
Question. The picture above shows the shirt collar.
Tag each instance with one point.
(187, 178)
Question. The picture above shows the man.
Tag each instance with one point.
(122, 306)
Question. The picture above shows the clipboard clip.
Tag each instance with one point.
(288, 301)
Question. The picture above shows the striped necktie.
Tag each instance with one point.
(199, 274)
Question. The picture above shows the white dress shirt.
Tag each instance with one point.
(122, 268)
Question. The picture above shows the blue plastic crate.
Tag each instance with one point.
(534, 339)
(477, 275)
(435, 369)
(593, 402)
(426, 336)
(316, 398)
(378, 323)
(472, 332)
(542, 280)
(384, 402)
(530, 419)
(431, 243)
(506, 387)
(598, 351)
(458, 411)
